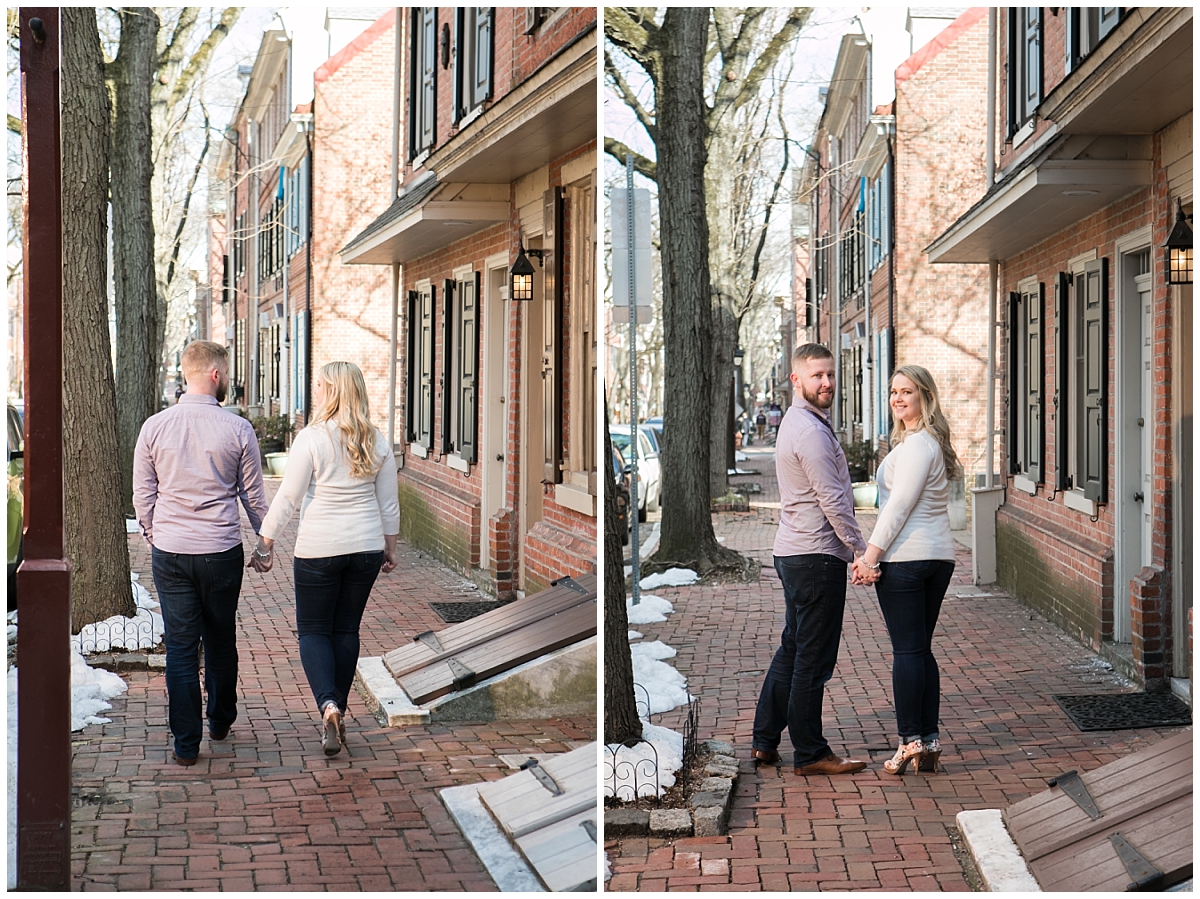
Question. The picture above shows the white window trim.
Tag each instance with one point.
(1025, 485)
(419, 450)
(1074, 499)
(458, 463)
(470, 117)
(1023, 133)
(570, 496)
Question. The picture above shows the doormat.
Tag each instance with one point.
(1125, 711)
(458, 612)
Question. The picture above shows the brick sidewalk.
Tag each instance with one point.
(1002, 731)
(265, 809)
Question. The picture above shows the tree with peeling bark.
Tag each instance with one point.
(673, 54)
(94, 526)
(621, 721)
(743, 100)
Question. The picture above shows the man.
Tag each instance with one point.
(193, 463)
(817, 538)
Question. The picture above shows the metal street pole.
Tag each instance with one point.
(634, 434)
(44, 578)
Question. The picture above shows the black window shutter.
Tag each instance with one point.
(1014, 68)
(415, 70)
(425, 431)
(447, 363)
(482, 88)
(1095, 386)
(412, 371)
(469, 368)
(1035, 380)
(460, 63)
(1062, 364)
(552, 373)
(1014, 407)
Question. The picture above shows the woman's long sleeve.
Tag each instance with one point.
(387, 493)
(296, 479)
(911, 466)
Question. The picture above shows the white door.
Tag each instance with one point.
(1146, 417)
(495, 406)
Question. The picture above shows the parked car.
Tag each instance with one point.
(16, 499)
(621, 475)
(656, 430)
(649, 467)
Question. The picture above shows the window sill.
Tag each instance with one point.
(1025, 485)
(1023, 133)
(470, 117)
(572, 497)
(458, 463)
(1073, 499)
(419, 450)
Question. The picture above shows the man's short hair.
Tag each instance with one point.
(807, 351)
(203, 356)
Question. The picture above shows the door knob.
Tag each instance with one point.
(1141, 422)
(499, 457)
(1139, 497)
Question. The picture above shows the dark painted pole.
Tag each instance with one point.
(44, 578)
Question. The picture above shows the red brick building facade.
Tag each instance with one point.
(1092, 141)
(495, 397)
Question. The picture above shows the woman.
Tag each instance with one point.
(343, 474)
(910, 558)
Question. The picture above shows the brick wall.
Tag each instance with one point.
(352, 136)
(941, 310)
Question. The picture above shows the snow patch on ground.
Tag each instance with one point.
(739, 456)
(672, 577)
(143, 631)
(659, 746)
(132, 526)
(649, 610)
(665, 687)
(91, 688)
(635, 635)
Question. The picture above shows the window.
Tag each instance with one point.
(1024, 65)
(583, 333)
(1026, 380)
(472, 58)
(422, 96)
(878, 224)
(1081, 382)
(1086, 28)
(239, 246)
(420, 366)
(462, 365)
(296, 202)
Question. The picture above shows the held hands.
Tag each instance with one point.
(262, 557)
(864, 575)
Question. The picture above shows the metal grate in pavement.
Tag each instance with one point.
(1125, 711)
(458, 612)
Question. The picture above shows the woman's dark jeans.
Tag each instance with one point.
(814, 596)
(198, 595)
(331, 594)
(910, 595)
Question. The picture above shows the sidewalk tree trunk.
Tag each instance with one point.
(94, 526)
(621, 722)
(139, 313)
(742, 50)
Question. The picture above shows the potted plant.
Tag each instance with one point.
(272, 432)
(860, 456)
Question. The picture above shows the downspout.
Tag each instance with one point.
(252, 267)
(393, 338)
(891, 164)
(308, 278)
(835, 270)
(993, 268)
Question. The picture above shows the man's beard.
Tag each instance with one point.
(815, 399)
(222, 391)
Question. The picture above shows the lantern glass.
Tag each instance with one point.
(1179, 265)
(522, 287)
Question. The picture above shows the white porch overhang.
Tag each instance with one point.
(427, 217)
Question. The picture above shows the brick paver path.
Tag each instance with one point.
(1002, 731)
(265, 809)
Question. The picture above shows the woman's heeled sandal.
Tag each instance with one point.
(930, 756)
(332, 729)
(906, 753)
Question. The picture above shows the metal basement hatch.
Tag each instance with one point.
(548, 811)
(438, 663)
(1124, 826)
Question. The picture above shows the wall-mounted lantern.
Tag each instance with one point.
(738, 355)
(1177, 251)
(521, 274)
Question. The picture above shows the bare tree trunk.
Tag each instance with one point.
(140, 309)
(621, 722)
(687, 537)
(94, 526)
(725, 269)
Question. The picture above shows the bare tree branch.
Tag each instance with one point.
(642, 164)
(176, 45)
(199, 61)
(631, 31)
(796, 20)
(187, 200)
(762, 234)
(14, 124)
(630, 98)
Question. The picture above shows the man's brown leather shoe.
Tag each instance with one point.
(187, 763)
(765, 756)
(832, 765)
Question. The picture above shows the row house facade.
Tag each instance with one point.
(1090, 163)
(494, 393)
(301, 181)
(896, 158)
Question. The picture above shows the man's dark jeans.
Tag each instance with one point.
(199, 599)
(910, 596)
(814, 594)
(331, 594)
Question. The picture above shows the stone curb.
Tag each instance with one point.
(1000, 863)
(128, 661)
(708, 807)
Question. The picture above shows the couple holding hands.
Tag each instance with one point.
(193, 464)
(909, 560)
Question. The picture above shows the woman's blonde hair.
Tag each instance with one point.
(932, 418)
(346, 406)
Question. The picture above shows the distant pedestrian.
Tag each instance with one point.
(179, 391)
(192, 464)
(816, 540)
(774, 417)
(760, 424)
(341, 473)
(912, 550)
